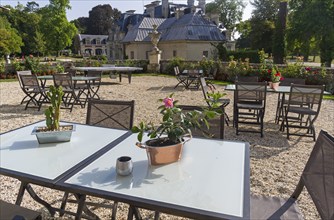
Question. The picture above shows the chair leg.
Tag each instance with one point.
(114, 211)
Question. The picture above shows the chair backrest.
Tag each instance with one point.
(250, 92)
(306, 96)
(29, 82)
(318, 175)
(110, 113)
(19, 73)
(216, 129)
(288, 81)
(246, 79)
(64, 80)
(176, 70)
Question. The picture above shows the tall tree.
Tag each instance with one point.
(10, 40)
(101, 18)
(58, 32)
(313, 19)
(279, 42)
(81, 24)
(230, 11)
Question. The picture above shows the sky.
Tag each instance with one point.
(80, 8)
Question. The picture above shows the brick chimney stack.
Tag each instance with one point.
(201, 4)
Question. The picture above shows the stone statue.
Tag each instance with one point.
(155, 37)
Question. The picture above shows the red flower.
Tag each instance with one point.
(269, 71)
(278, 74)
(282, 78)
(307, 68)
(315, 72)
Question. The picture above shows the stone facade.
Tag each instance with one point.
(91, 45)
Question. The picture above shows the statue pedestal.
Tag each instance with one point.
(154, 58)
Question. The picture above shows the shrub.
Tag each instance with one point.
(175, 61)
(251, 55)
(32, 64)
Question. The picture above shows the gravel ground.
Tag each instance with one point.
(276, 163)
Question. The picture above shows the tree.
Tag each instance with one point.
(10, 42)
(279, 44)
(244, 29)
(313, 19)
(101, 18)
(81, 24)
(58, 32)
(265, 9)
(230, 11)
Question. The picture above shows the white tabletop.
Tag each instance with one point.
(108, 68)
(212, 176)
(21, 152)
(281, 89)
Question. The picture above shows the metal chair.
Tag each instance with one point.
(317, 177)
(216, 129)
(182, 79)
(71, 94)
(93, 86)
(110, 114)
(302, 109)
(282, 97)
(16, 212)
(33, 91)
(26, 72)
(224, 102)
(249, 96)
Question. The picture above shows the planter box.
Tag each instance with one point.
(44, 137)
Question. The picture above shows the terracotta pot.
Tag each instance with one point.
(274, 85)
(158, 155)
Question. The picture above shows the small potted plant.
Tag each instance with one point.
(53, 131)
(275, 77)
(167, 139)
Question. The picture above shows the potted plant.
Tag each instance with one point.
(53, 131)
(167, 139)
(275, 77)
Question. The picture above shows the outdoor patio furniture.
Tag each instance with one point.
(110, 113)
(10, 211)
(181, 78)
(26, 72)
(302, 109)
(71, 94)
(224, 102)
(35, 94)
(318, 179)
(216, 129)
(193, 80)
(93, 85)
(282, 97)
(249, 96)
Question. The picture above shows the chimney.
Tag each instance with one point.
(150, 9)
(179, 13)
(165, 8)
(191, 3)
(201, 4)
(215, 18)
(130, 12)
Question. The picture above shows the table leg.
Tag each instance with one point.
(133, 211)
(129, 77)
(81, 203)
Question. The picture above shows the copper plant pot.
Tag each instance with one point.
(158, 155)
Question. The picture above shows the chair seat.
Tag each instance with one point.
(302, 110)
(264, 207)
(10, 211)
(250, 105)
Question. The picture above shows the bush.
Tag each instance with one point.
(251, 55)
(175, 61)
(32, 64)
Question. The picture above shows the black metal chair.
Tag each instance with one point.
(71, 94)
(302, 109)
(224, 102)
(249, 96)
(15, 212)
(318, 179)
(282, 97)
(33, 91)
(182, 79)
(216, 128)
(110, 114)
(93, 86)
(26, 72)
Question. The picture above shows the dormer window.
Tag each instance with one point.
(98, 41)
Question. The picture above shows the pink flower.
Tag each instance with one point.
(282, 78)
(307, 68)
(169, 102)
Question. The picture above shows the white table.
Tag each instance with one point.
(210, 181)
(119, 69)
(22, 157)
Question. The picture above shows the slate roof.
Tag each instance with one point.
(91, 36)
(188, 27)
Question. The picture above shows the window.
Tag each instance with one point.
(132, 55)
(174, 53)
(206, 53)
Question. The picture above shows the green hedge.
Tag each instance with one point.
(252, 55)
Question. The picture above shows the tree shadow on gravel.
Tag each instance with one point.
(19, 109)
